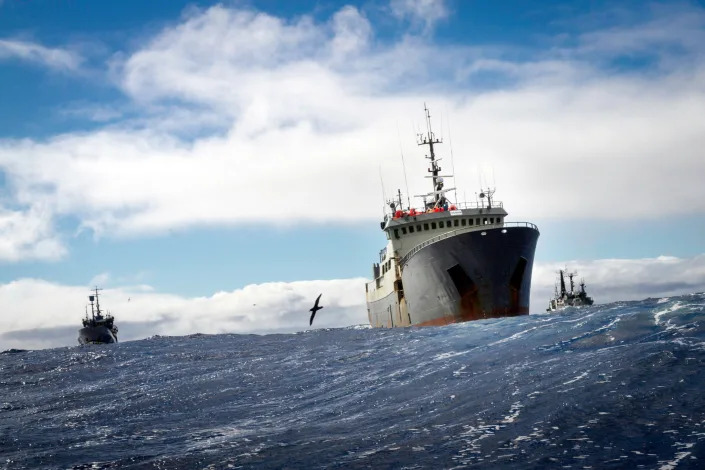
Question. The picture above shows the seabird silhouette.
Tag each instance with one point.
(314, 309)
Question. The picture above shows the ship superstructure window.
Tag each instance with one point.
(455, 223)
(433, 225)
(470, 222)
(440, 224)
(418, 228)
(484, 221)
(411, 229)
(477, 221)
(396, 233)
(403, 230)
(463, 222)
(491, 220)
(425, 226)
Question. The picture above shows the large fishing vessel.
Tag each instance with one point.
(566, 298)
(449, 262)
(98, 328)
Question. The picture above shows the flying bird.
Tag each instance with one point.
(314, 309)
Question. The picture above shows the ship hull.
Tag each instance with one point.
(470, 276)
(96, 335)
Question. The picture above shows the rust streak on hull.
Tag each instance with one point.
(463, 318)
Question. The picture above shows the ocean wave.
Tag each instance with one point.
(606, 386)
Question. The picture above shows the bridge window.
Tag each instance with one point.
(470, 222)
(440, 224)
(455, 222)
(411, 229)
(484, 221)
(433, 225)
(491, 220)
(418, 228)
(403, 230)
(463, 222)
(477, 221)
(396, 233)
(425, 226)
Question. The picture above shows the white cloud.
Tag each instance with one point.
(674, 30)
(55, 58)
(26, 321)
(140, 312)
(423, 12)
(352, 33)
(28, 235)
(306, 112)
(610, 280)
(99, 279)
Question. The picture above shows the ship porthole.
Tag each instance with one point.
(483, 233)
(504, 230)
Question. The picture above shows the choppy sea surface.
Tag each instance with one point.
(620, 385)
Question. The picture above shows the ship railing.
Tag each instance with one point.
(459, 205)
(478, 205)
(452, 233)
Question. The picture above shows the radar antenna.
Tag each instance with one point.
(437, 180)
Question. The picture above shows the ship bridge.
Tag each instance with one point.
(408, 228)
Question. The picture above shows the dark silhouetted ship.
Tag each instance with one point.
(450, 262)
(98, 328)
(565, 298)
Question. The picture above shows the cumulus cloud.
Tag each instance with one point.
(28, 321)
(29, 235)
(55, 58)
(249, 117)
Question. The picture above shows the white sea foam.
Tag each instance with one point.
(514, 336)
(513, 413)
(575, 379)
(448, 355)
(658, 314)
(671, 464)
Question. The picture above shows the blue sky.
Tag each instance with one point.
(190, 148)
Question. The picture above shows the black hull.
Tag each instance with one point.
(96, 335)
(469, 276)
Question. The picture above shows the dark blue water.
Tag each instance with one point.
(612, 386)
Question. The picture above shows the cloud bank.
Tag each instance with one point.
(40, 314)
(249, 117)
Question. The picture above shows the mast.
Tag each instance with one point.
(92, 298)
(430, 139)
(562, 282)
(572, 285)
